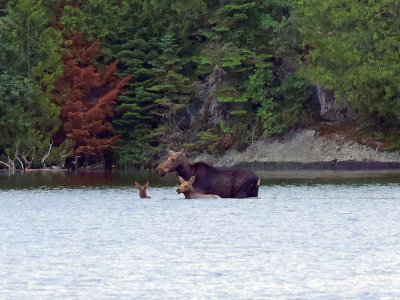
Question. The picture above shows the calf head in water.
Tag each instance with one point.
(142, 189)
(186, 186)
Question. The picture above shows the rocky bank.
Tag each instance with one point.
(311, 149)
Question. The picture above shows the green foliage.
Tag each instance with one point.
(224, 128)
(299, 106)
(352, 48)
(135, 118)
(158, 92)
(173, 88)
(98, 18)
(207, 140)
(165, 46)
(390, 139)
(292, 103)
(206, 136)
(28, 21)
(14, 101)
(30, 65)
(268, 116)
(246, 38)
(260, 89)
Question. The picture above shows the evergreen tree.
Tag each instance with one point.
(135, 118)
(87, 98)
(238, 54)
(352, 48)
(30, 63)
(160, 89)
(256, 43)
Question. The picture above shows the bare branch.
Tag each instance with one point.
(16, 149)
(7, 165)
(11, 163)
(76, 160)
(22, 165)
(16, 155)
(25, 155)
(47, 154)
(66, 155)
(28, 163)
(63, 157)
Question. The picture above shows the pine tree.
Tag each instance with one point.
(87, 98)
(248, 39)
(135, 118)
(352, 48)
(159, 91)
(30, 59)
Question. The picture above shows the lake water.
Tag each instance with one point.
(89, 236)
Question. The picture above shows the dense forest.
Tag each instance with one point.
(117, 82)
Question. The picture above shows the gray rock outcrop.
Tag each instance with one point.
(331, 110)
(304, 147)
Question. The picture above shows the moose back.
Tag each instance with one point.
(229, 183)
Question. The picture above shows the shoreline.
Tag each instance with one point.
(326, 174)
(267, 176)
(320, 166)
(322, 170)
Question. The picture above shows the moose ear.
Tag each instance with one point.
(147, 184)
(137, 185)
(170, 152)
(182, 150)
(191, 180)
(181, 179)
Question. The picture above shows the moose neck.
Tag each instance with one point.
(185, 170)
(188, 194)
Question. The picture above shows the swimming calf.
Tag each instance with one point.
(142, 189)
(186, 188)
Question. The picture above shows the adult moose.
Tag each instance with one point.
(229, 183)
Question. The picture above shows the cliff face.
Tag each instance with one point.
(311, 149)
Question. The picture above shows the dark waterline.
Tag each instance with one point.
(67, 179)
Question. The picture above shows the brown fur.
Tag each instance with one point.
(229, 183)
(186, 188)
(142, 189)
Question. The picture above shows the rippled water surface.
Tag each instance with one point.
(91, 237)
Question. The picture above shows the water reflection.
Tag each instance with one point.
(67, 179)
(90, 236)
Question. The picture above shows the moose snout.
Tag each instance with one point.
(178, 191)
(160, 171)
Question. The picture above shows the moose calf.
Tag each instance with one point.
(186, 188)
(142, 189)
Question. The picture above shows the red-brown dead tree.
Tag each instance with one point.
(87, 98)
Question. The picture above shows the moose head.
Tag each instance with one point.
(142, 189)
(186, 186)
(174, 161)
